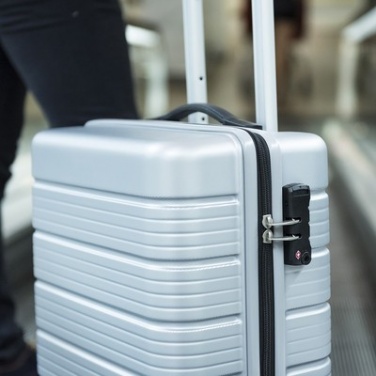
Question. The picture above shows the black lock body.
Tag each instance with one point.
(296, 199)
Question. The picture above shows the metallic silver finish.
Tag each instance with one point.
(268, 237)
(268, 222)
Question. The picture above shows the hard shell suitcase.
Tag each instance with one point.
(169, 248)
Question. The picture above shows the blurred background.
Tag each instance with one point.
(326, 64)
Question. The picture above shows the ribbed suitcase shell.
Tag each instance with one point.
(145, 251)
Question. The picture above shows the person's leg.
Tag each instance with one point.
(16, 358)
(12, 94)
(73, 56)
(11, 335)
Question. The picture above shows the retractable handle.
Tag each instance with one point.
(264, 63)
(264, 60)
(194, 44)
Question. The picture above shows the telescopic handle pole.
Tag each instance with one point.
(194, 43)
(264, 62)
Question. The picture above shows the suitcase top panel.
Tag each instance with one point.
(157, 160)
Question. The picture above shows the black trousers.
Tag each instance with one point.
(72, 55)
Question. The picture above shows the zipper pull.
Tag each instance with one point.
(268, 222)
(268, 237)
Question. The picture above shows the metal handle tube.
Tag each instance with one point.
(264, 62)
(194, 44)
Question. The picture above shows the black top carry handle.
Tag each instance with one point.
(215, 112)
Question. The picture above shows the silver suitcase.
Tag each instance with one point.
(170, 248)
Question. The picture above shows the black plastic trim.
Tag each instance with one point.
(217, 113)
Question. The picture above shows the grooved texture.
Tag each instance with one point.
(150, 278)
(308, 317)
(158, 300)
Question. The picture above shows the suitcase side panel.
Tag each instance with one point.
(320, 368)
(172, 263)
(141, 345)
(174, 291)
(56, 357)
(178, 283)
(308, 337)
(307, 288)
(150, 229)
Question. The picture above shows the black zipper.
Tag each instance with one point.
(266, 261)
(265, 251)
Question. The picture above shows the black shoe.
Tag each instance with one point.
(24, 365)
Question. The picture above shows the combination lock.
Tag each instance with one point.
(296, 199)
